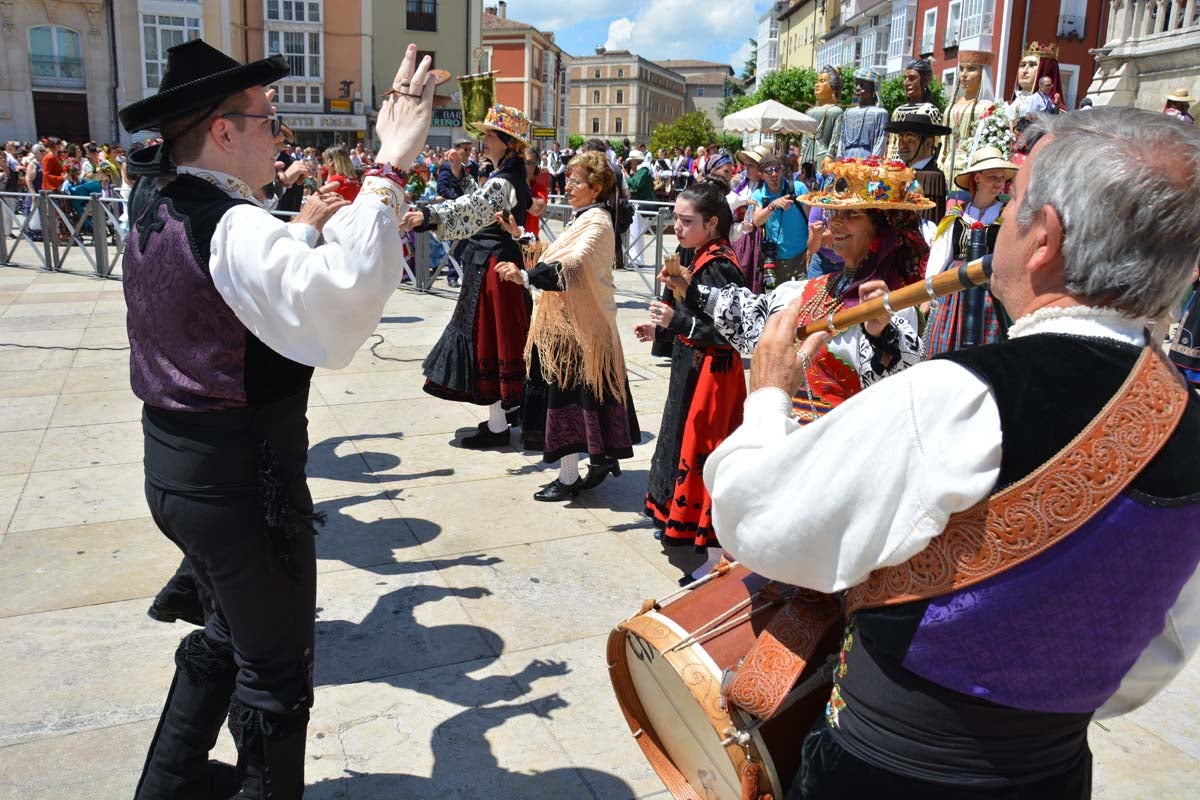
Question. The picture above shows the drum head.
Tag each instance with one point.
(679, 693)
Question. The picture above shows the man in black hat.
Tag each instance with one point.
(917, 137)
(230, 309)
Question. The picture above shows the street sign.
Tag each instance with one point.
(545, 133)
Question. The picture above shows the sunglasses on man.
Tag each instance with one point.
(276, 120)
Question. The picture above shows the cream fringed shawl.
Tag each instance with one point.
(575, 330)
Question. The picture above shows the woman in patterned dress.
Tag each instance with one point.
(480, 356)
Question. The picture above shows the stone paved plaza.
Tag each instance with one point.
(460, 625)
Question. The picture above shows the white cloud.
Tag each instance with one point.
(739, 57)
(655, 29)
(620, 34)
(683, 29)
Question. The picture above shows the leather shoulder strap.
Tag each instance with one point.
(1023, 520)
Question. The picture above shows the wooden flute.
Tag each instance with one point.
(968, 274)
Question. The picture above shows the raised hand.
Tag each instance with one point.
(406, 111)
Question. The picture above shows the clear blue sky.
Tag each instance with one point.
(656, 29)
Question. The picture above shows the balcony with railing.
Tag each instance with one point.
(1133, 21)
(1150, 49)
(57, 72)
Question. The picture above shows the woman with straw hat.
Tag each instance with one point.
(480, 356)
(1178, 104)
(985, 179)
(871, 210)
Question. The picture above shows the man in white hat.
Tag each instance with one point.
(230, 309)
(641, 181)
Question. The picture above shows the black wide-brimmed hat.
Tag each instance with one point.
(917, 122)
(199, 76)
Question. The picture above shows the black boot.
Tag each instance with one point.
(270, 752)
(597, 472)
(557, 491)
(179, 599)
(177, 765)
(486, 439)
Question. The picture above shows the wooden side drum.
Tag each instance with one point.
(667, 664)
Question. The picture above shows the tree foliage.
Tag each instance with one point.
(575, 141)
(691, 130)
(795, 89)
(892, 94)
(751, 65)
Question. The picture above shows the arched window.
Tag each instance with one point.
(56, 57)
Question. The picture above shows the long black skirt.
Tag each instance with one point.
(561, 420)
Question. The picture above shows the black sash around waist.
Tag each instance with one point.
(221, 453)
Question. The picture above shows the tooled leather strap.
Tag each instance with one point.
(781, 653)
(1023, 520)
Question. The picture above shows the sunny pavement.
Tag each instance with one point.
(460, 625)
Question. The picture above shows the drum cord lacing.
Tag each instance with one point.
(770, 592)
(712, 628)
(717, 571)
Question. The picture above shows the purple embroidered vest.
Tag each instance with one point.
(995, 683)
(188, 351)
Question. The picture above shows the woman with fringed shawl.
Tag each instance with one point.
(577, 398)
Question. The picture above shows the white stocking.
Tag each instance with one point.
(568, 469)
(496, 421)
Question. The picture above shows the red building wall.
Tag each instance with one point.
(1043, 18)
(1043, 28)
(509, 61)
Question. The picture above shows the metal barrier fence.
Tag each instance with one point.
(49, 226)
(42, 230)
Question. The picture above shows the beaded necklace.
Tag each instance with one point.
(828, 299)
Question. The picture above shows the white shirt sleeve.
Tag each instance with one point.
(867, 486)
(314, 305)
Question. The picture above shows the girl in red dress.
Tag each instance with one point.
(708, 384)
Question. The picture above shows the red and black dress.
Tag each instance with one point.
(480, 357)
(704, 405)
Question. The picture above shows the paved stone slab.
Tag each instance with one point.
(80, 496)
(559, 590)
(482, 515)
(61, 568)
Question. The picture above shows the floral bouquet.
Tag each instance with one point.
(996, 130)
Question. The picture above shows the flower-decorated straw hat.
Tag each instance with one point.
(505, 119)
(983, 159)
(869, 183)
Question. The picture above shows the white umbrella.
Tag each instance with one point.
(770, 116)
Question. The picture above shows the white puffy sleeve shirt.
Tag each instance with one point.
(872, 482)
(312, 303)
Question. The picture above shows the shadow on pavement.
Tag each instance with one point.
(465, 767)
